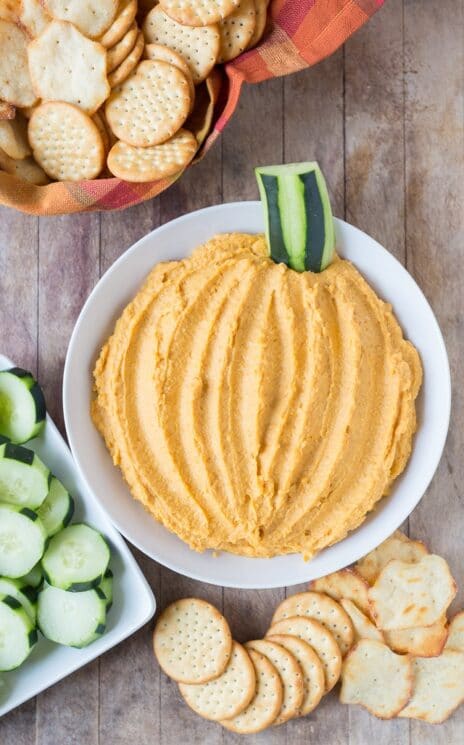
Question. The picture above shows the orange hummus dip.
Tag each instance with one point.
(255, 409)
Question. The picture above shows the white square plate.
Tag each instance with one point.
(134, 603)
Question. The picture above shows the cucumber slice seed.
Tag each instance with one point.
(57, 510)
(17, 633)
(22, 540)
(22, 405)
(76, 558)
(73, 619)
(24, 478)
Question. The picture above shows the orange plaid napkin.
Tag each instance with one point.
(299, 34)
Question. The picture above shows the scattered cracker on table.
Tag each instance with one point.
(319, 638)
(91, 17)
(139, 164)
(376, 678)
(456, 633)
(362, 625)
(15, 82)
(228, 695)
(199, 12)
(322, 608)
(236, 31)
(198, 44)
(265, 706)
(128, 65)
(66, 66)
(66, 142)
(192, 641)
(397, 546)
(438, 687)
(346, 583)
(311, 666)
(150, 106)
(420, 641)
(125, 16)
(290, 673)
(118, 53)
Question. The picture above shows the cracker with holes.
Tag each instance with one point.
(312, 669)
(192, 641)
(15, 82)
(199, 12)
(198, 45)
(128, 65)
(362, 625)
(139, 164)
(438, 687)
(118, 53)
(260, 23)
(228, 695)
(26, 169)
(165, 54)
(66, 142)
(319, 638)
(33, 17)
(346, 583)
(322, 608)
(420, 641)
(91, 17)
(236, 31)
(397, 546)
(127, 10)
(263, 709)
(13, 137)
(290, 673)
(149, 107)
(375, 677)
(66, 66)
(456, 633)
(407, 595)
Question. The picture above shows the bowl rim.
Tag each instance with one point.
(383, 529)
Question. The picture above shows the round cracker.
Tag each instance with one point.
(198, 45)
(322, 608)
(397, 546)
(26, 169)
(66, 66)
(376, 678)
(165, 54)
(140, 164)
(127, 66)
(456, 633)
(236, 31)
(362, 625)
(149, 107)
(319, 638)
(15, 81)
(228, 695)
(65, 141)
(91, 17)
(438, 687)
(101, 126)
(311, 666)
(266, 704)
(346, 583)
(192, 641)
(125, 17)
(13, 137)
(118, 53)
(199, 12)
(421, 641)
(290, 673)
(260, 25)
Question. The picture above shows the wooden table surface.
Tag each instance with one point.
(384, 117)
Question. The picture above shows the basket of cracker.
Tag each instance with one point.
(104, 103)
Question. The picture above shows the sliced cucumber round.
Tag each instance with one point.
(76, 558)
(17, 633)
(25, 594)
(24, 479)
(74, 619)
(58, 508)
(34, 578)
(106, 586)
(22, 405)
(22, 540)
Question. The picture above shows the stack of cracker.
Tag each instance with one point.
(380, 627)
(87, 92)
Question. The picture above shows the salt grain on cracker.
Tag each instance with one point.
(290, 673)
(139, 164)
(192, 641)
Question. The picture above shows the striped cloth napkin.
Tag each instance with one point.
(300, 33)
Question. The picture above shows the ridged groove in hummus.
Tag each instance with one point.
(255, 409)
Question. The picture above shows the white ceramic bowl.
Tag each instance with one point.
(133, 602)
(176, 240)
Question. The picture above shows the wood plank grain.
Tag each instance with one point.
(434, 130)
(68, 269)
